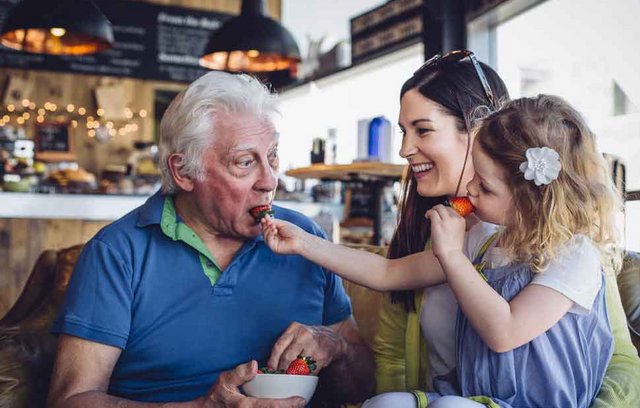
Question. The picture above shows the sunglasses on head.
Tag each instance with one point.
(455, 56)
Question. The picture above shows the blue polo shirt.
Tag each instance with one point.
(148, 287)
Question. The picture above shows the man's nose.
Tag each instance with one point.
(268, 180)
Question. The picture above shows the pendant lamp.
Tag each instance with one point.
(251, 42)
(57, 27)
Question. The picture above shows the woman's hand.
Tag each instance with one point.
(282, 236)
(447, 230)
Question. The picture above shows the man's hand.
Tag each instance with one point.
(321, 343)
(226, 393)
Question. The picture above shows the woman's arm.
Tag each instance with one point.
(373, 271)
(621, 384)
(389, 347)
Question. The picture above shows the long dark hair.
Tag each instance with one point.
(455, 86)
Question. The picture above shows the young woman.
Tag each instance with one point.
(448, 93)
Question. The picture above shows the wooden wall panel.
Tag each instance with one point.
(78, 89)
(23, 240)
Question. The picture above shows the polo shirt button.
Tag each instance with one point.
(210, 264)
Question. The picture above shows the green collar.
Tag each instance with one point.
(173, 227)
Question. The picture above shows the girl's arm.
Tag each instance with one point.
(373, 271)
(502, 325)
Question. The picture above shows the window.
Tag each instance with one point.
(584, 52)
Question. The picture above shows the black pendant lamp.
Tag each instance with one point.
(251, 42)
(57, 27)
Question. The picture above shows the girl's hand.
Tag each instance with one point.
(447, 230)
(282, 236)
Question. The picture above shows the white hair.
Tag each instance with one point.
(188, 124)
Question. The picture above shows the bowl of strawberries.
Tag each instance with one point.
(297, 380)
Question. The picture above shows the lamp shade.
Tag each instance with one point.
(251, 42)
(58, 27)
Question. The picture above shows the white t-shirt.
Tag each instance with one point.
(576, 273)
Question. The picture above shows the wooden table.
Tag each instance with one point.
(375, 174)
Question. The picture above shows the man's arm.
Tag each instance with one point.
(343, 358)
(81, 374)
(83, 368)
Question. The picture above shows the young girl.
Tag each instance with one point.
(533, 327)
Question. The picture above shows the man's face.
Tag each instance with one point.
(239, 174)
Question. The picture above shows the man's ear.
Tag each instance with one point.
(176, 163)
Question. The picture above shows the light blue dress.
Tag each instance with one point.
(562, 367)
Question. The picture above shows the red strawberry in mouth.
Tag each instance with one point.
(301, 366)
(260, 212)
(462, 205)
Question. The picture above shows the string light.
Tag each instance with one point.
(72, 114)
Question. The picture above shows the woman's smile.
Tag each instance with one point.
(422, 169)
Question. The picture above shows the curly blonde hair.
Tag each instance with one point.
(582, 200)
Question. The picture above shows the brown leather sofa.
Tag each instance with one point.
(27, 349)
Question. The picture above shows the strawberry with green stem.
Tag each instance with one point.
(303, 365)
(260, 211)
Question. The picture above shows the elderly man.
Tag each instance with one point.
(179, 300)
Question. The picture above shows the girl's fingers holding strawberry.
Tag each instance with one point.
(434, 216)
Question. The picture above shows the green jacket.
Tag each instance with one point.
(402, 359)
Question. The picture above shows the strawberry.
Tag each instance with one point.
(301, 366)
(462, 205)
(260, 211)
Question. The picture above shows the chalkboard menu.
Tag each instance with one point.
(53, 142)
(151, 42)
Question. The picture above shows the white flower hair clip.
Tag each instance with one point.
(542, 165)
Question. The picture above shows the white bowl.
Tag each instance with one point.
(281, 386)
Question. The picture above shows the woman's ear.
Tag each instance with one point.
(176, 163)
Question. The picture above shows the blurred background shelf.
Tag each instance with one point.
(362, 171)
(375, 175)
